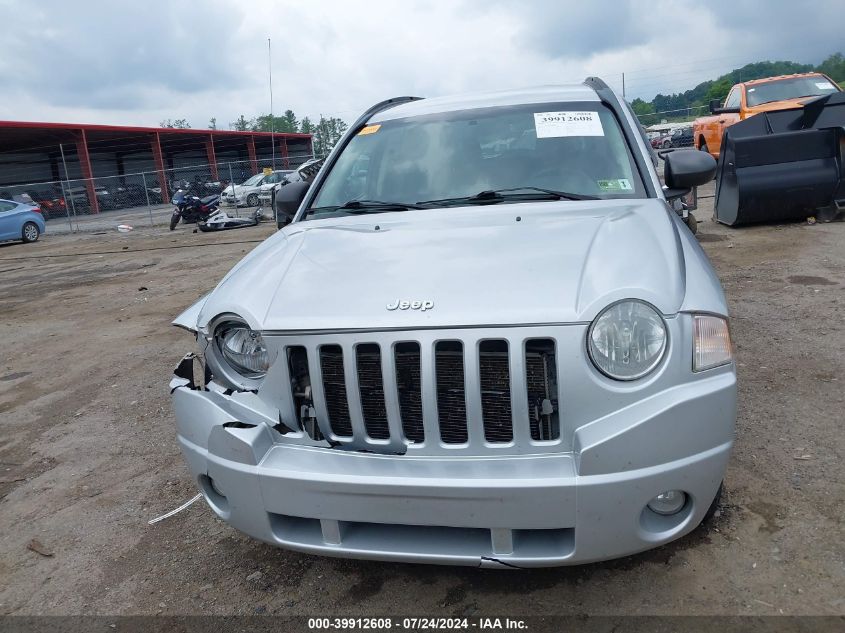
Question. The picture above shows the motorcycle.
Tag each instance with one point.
(192, 208)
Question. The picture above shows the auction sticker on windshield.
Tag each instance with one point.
(556, 124)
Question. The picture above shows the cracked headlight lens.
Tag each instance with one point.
(243, 349)
(627, 340)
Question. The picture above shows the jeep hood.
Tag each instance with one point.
(549, 262)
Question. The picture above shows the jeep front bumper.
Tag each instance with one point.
(532, 510)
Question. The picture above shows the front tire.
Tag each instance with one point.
(174, 220)
(692, 223)
(703, 147)
(30, 232)
(252, 200)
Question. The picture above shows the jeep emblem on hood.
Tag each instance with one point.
(401, 304)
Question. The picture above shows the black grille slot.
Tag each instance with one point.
(495, 391)
(407, 360)
(334, 386)
(371, 386)
(541, 381)
(451, 401)
(300, 386)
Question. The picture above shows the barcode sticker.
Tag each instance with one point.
(555, 124)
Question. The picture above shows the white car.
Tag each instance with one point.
(265, 193)
(246, 193)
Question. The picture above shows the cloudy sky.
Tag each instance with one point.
(141, 62)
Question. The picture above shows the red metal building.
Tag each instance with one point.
(41, 152)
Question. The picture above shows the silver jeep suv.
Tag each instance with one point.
(484, 339)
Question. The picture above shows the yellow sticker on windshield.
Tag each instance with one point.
(370, 129)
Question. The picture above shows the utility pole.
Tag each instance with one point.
(623, 85)
(323, 138)
(272, 120)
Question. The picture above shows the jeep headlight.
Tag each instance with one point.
(627, 340)
(242, 348)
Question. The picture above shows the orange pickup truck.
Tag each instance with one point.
(752, 97)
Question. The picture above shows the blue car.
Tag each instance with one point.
(20, 221)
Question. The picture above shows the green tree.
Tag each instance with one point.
(242, 124)
(326, 134)
(833, 67)
(290, 122)
(181, 124)
(644, 111)
(212, 123)
(285, 123)
(305, 126)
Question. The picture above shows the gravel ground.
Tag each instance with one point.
(88, 455)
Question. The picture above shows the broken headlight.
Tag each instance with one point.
(627, 340)
(242, 348)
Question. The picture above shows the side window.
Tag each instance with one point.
(733, 100)
(6, 206)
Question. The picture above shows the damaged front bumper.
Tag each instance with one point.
(516, 510)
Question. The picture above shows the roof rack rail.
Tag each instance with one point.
(597, 83)
(380, 106)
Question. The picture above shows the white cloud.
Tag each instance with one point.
(138, 63)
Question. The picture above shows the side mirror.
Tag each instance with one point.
(288, 199)
(685, 169)
(715, 106)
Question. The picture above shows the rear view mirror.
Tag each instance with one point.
(288, 199)
(685, 169)
(715, 106)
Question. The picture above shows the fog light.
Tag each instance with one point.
(214, 487)
(669, 502)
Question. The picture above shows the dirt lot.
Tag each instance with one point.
(87, 453)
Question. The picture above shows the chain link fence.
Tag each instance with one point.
(136, 199)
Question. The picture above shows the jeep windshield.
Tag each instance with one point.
(783, 89)
(508, 154)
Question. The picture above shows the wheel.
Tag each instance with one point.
(174, 220)
(252, 200)
(692, 223)
(703, 147)
(666, 144)
(30, 232)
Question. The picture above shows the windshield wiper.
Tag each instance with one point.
(366, 206)
(493, 196)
